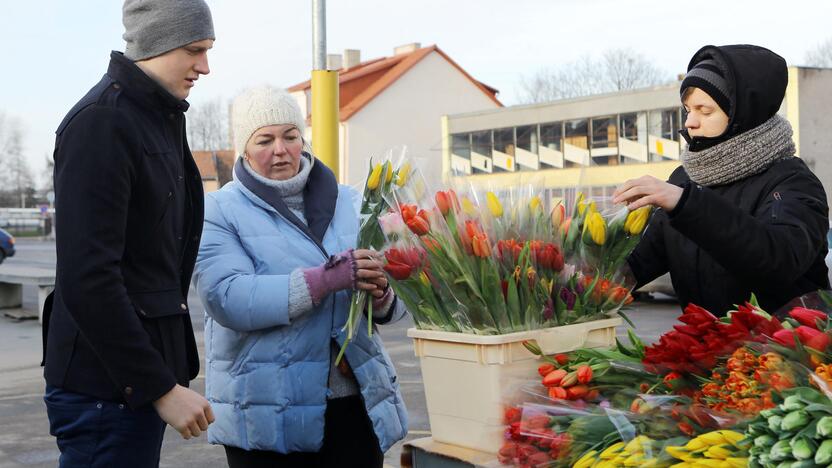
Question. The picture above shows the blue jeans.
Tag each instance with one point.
(96, 433)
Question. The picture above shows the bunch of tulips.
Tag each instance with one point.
(488, 262)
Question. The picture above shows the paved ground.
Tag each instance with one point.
(24, 437)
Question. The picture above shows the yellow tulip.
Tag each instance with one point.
(737, 462)
(612, 450)
(375, 177)
(637, 444)
(713, 438)
(718, 451)
(558, 215)
(388, 176)
(695, 444)
(597, 227)
(404, 172)
(678, 452)
(586, 461)
(733, 437)
(494, 204)
(468, 207)
(708, 462)
(423, 277)
(534, 203)
(636, 459)
(636, 220)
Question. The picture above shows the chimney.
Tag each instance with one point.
(333, 62)
(407, 48)
(352, 57)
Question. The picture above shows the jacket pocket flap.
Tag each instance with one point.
(159, 303)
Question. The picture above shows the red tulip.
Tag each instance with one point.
(512, 414)
(584, 374)
(549, 256)
(808, 317)
(813, 338)
(785, 337)
(686, 429)
(408, 211)
(402, 262)
(544, 369)
(562, 358)
(669, 379)
(399, 271)
(418, 225)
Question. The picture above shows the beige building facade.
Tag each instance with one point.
(598, 142)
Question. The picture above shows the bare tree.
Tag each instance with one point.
(208, 126)
(820, 56)
(615, 70)
(16, 183)
(47, 181)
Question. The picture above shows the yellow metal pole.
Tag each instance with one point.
(325, 118)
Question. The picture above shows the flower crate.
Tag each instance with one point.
(466, 376)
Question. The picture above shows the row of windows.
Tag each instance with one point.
(638, 137)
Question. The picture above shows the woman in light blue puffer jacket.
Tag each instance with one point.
(276, 292)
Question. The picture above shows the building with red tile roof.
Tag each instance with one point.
(398, 100)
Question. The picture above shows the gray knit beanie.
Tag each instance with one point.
(153, 27)
(260, 107)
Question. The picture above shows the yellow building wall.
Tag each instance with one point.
(793, 106)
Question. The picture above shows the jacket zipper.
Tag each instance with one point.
(332, 313)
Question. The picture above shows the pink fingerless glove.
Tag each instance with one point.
(379, 302)
(339, 272)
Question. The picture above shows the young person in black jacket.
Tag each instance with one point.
(743, 214)
(119, 345)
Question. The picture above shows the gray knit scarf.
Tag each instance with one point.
(291, 190)
(742, 156)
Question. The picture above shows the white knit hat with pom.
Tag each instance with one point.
(260, 107)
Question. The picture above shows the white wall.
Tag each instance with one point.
(815, 96)
(409, 112)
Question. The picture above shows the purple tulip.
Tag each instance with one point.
(568, 297)
(549, 310)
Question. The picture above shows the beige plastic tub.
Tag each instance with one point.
(467, 377)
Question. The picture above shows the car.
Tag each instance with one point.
(6, 245)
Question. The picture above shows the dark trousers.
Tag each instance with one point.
(96, 433)
(349, 441)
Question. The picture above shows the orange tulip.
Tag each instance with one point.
(558, 393)
(482, 248)
(443, 202)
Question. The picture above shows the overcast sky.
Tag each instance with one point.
(53, 51)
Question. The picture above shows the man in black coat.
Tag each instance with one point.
(742, 215)
(119, 345)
